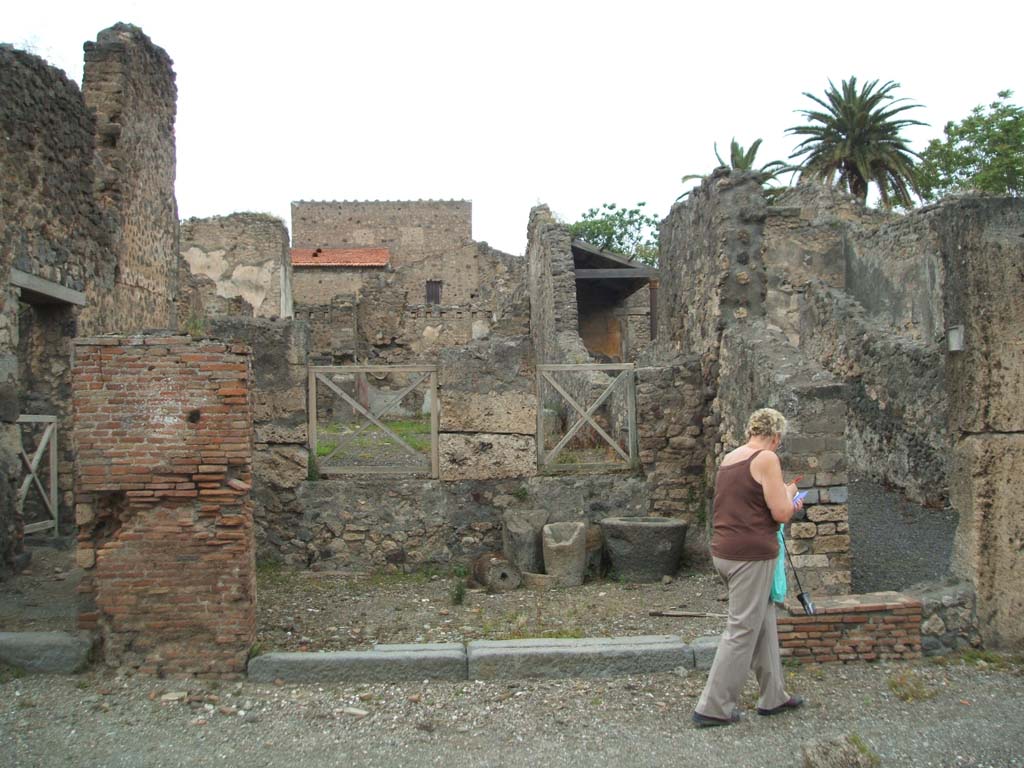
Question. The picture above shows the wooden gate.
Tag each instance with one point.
(33, 479)
(373, 419)
(586, 444)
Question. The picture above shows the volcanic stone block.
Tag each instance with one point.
(486, 456)
(644, 548)
(493, 412)
(521, 538)
(45, 652)
(565, 552)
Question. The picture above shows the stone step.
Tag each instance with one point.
(46, 652)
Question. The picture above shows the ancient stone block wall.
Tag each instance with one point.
(410, 229)
(129, 83)
(982, 243)
(673, 447)
(51, 228)
(428, 241)
(759, 368)
(234, 265)
(333, 329)
(163, 431)
(488, 416)
(316, 286)
(554, 318)
(711, 264)
(88, 205)
(366, 524)
(897, 425)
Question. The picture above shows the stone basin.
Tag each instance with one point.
(644, 548)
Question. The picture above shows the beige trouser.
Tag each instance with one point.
(750, 641)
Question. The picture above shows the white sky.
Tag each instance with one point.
(568, 103)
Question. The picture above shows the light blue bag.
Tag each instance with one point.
(778, 593)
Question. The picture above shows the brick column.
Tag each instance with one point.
(163, 433)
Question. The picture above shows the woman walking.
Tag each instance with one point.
(751, 500)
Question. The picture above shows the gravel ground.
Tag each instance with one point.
(896, 543)
(958, 714)
(304, 610)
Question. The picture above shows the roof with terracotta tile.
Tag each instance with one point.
(340, 257)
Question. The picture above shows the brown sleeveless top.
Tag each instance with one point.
(742, 524)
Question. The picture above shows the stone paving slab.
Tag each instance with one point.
(394, 663)
(584, 657)
(704, 650)
(46, 652)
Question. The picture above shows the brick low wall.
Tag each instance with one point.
(163, 430)
(878, 625)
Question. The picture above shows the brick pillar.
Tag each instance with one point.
(163, 432)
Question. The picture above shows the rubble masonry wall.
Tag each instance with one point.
(233, 265)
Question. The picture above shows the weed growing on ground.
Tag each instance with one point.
(458, 592)
(862, 746)
(8, 673)
(980, 658)
(909, 687)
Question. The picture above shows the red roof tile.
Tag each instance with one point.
(340, 257)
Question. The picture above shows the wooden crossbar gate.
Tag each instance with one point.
(47, 446)
(622, 380)
(325, 448)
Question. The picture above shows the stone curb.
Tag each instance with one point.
(385, 663)
(489, 660)
(61, 653)
(585, 657)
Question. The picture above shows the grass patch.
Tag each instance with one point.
(9, 673)
(909, 687)
(273, 573)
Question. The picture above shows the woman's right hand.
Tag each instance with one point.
(791, 489)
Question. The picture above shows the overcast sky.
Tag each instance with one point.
(509, 105)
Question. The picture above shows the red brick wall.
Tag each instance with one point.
(163, 433)
(879, 625)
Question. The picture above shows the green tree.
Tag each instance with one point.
(741, 159)
(984, 152)
(854, 140)
(627, 231)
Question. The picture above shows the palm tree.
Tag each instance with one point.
(855, 140)
(743, 160)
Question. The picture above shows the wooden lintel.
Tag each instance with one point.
(36, 290)
(631, 273)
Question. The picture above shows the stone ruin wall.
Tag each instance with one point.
(712, 306)
(427, 240)
(50, 230)
(859, 291)
(103, 224)
(868, 297)
(130, 84)
(233, 265)
(163, 432)
(759, 368)
(983, 252)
